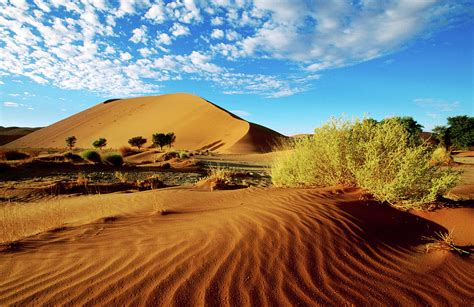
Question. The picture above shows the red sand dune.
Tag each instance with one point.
(197, 124)
(240, 248)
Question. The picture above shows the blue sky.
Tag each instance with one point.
(285, 64)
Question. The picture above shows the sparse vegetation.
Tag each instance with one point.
(218, 177)
(183, 155)
(71, 141)
(378, 157)
(137, 141)
(100, 143)
(121, 176)
(445, 241)
(10, 155)
(114, 159)
(92, 156)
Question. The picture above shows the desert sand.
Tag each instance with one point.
(253, 247)
(187, 246)
(197, 123)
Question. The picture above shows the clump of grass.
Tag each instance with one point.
(91, 156)
(183, 155)
(82, 179)
(11, 155)
(114, 159)
(445, 241)
(378, 157)
(218, 178)
(121, 176)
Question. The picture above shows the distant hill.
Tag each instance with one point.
(196, 122)
(9, 134)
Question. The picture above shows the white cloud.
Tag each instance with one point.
(232, 35)
(87, 45)
(217, 34)
(179, 30)
(156, 13)
(10, 104)
(438, 105)
(139, 35)
(241, 113)
(217, 21)
(164, 39)
(125, 56)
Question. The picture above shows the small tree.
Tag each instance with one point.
(71, 141)
(461, 131)
(137, 141)
(100, 143)
(160, 139)
(170, 139)
(441, 134)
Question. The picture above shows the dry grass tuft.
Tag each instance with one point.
(445, 241)
(218, 178)
(21, 220)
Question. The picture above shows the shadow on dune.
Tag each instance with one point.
(383, 224)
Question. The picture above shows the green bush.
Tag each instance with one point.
(92, 156)
(114, 159)
(378, 157)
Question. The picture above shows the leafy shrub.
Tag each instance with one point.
(100, 143)
(378, 157)
(92, 156)
(137, 141)
(10, 155)
(114, 159)
(126, 151)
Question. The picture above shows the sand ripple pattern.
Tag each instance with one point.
(241, 248)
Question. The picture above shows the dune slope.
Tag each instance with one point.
(232, 248)
(197, 124)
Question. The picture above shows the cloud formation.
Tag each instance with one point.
(135, 46)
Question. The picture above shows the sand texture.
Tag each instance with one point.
(197, 124)
(250, 247)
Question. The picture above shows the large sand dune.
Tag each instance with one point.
(197, 124)
(239, 248)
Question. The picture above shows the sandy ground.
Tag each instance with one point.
(245, 247)
(184, 246)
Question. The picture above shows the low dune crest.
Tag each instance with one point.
(197, 123)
